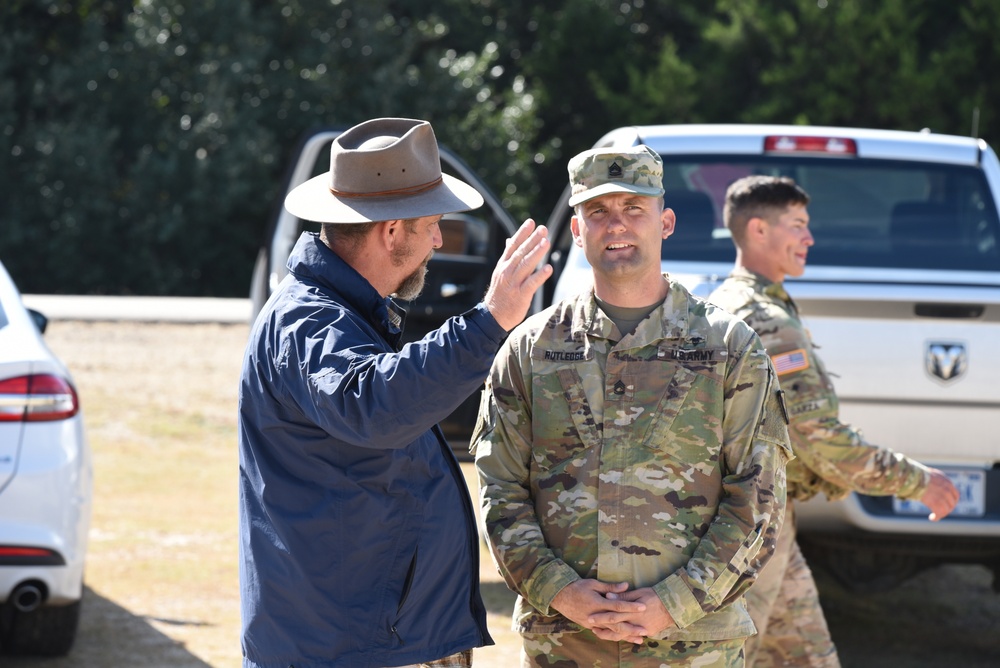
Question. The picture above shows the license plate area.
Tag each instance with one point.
(971, 485)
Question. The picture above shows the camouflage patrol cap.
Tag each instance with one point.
(599, 171)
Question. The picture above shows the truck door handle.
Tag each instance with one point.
(949, 310)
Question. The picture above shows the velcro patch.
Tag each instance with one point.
(795, 360)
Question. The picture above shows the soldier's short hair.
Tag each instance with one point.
(764, 197)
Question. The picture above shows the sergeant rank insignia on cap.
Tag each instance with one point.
(614, 171)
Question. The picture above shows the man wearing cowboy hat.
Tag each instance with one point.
(358, 544)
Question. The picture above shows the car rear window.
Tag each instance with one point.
(863, 213)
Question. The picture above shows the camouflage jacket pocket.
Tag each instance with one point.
(564, 424)
(685, 423)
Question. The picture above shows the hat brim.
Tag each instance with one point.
(312, 200)
(608, 188)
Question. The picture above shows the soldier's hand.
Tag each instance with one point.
(584, 600)
(652, 620)
(517, 276)
(941, 496)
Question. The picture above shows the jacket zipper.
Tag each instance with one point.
(408, 582)
(407, 585)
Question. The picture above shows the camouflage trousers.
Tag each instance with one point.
(460, 660)
(784, 605)
(585, 650)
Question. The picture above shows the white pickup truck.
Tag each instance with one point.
(902, 295)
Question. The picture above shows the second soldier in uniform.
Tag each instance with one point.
(769, 223)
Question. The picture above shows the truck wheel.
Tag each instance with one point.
(862, 571)
(46, 631)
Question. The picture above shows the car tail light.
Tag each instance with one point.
(37, 398)
(18, 555)
(826, 145)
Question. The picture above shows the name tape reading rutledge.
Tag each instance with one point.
(675, 354)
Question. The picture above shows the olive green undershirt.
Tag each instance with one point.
(626, 318)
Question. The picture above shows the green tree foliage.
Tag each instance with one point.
(143, 142)
(892, 64)
(583, 62)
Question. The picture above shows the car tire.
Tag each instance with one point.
(46, 631)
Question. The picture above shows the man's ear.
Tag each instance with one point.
(390, 233)
(757, 228)
(574, 227)
(669, 220)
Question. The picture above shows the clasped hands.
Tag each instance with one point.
(612, 611)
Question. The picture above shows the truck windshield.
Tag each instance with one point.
(863, 213)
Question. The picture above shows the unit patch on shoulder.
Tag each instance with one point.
(795, 360)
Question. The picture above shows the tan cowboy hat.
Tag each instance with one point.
(383, 169)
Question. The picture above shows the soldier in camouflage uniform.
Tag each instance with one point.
(769, 223)
(631, 448)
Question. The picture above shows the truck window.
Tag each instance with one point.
(864, 213)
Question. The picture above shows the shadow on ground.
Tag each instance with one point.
(110, 636)
(945, 616)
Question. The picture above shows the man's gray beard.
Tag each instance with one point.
(412, 285)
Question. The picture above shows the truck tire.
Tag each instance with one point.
(861, 570)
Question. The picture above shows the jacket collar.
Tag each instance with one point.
(312, 261)
(764, 285)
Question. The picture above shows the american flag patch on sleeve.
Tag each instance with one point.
(795, 360)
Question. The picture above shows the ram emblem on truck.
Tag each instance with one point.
(946, 361)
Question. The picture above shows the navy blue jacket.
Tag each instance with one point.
(358, 544)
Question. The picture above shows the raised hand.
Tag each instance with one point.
(517, 277)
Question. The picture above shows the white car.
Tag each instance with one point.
(46, 487)
(901, 294)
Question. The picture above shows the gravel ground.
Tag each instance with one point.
(162, 590)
